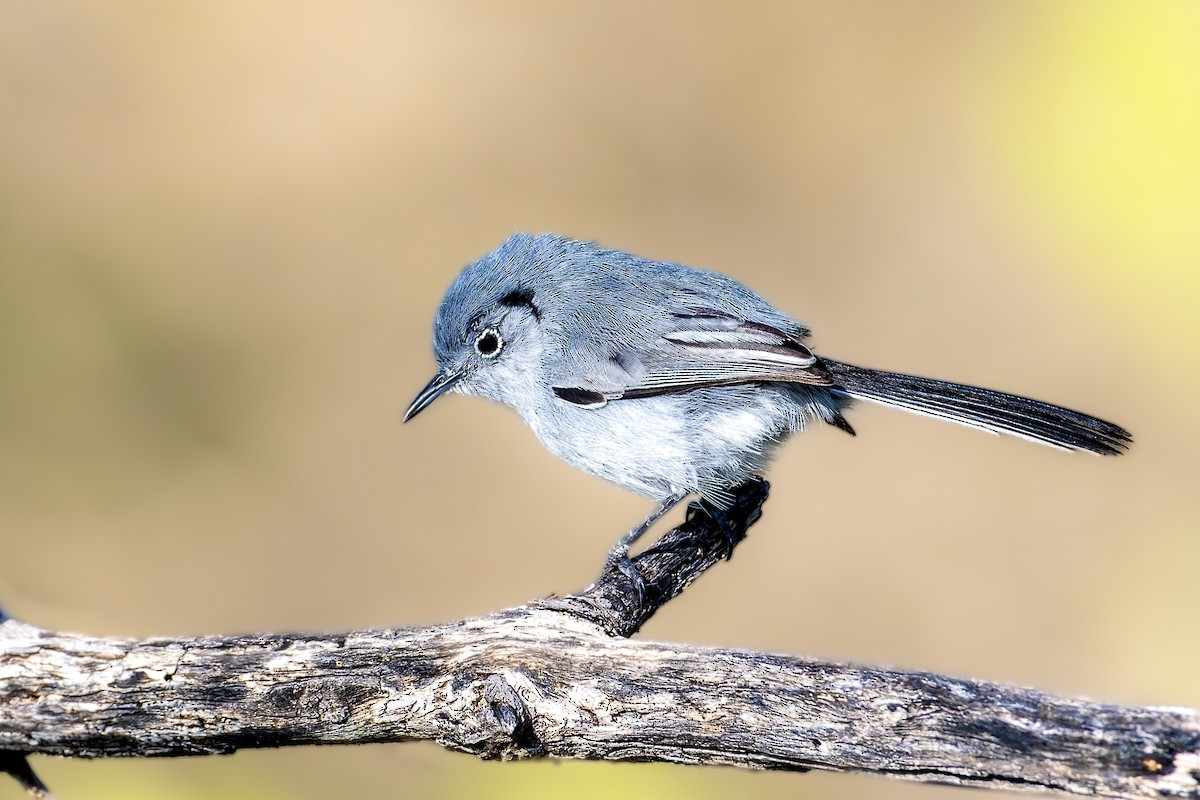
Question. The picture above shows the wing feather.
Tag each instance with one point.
(702, 349)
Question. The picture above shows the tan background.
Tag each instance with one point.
(225, 226)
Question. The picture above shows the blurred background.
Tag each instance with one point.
(225, 227)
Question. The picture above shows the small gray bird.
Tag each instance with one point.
(672, 381)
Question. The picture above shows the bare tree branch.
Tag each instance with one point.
(550, 680)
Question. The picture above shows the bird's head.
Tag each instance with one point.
(487, 335)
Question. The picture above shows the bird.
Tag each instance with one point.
(673, 381)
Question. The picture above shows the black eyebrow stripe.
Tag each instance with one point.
(522, 297)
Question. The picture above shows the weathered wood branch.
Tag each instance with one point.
(550, 679)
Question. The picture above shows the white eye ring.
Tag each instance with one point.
(489, 343)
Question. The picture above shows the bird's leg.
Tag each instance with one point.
(618, 556)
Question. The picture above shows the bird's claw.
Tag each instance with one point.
(618, 561)
(721, 519)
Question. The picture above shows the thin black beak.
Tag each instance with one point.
(442, 382)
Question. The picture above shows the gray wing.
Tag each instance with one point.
(689, 350)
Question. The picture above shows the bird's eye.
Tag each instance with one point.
(489, 343)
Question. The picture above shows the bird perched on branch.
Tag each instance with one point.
(673, 381)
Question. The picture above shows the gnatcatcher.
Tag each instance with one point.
(672, 381)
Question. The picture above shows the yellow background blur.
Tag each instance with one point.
(225, 227)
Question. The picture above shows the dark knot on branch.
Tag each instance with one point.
(621, 603)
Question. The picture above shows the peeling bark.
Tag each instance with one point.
(555, 679)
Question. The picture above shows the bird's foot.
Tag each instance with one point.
(618, 557)
(722, 519)
(734, 521)
(618, 561)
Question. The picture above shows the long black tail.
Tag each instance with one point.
(984, 409)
